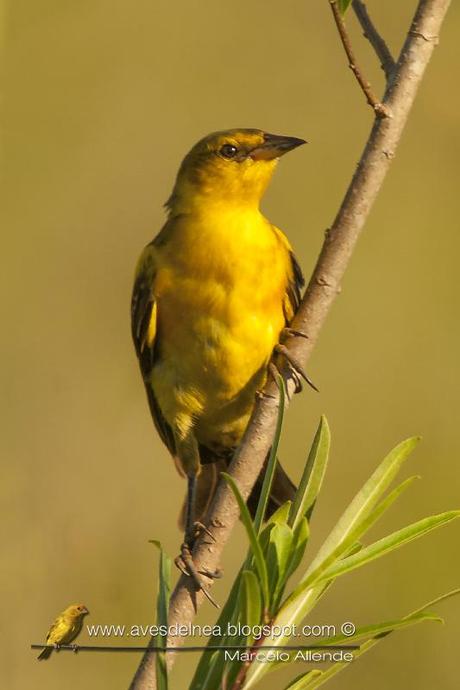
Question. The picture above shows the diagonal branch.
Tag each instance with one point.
(379, 108)
(323, 287)
(375, 39)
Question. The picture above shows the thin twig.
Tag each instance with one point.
(379, 108)
(323, 287)
(383, 53)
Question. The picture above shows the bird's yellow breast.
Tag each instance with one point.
(219, 289)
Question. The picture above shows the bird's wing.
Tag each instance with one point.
(145, 333)
(295, 280)
(73, 628)
(56, 631)
(294, 287)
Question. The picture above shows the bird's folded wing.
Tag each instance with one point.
(145, 336)
(294, 289)
(295, 279)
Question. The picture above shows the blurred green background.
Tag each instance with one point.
(102, 100)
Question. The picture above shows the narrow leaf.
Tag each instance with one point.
(376, 629)
(271, 464)
(253, 539)
(362, 504)
(301, 534)
(278, 555)
(281, 514)
(433, 602)
(340, 541)
(304, 680)
(251, 604)
(359, 531)
(313, 474)
(210, 669)
(387, 544)
(343, 5)
(365, 647)
(164, 592)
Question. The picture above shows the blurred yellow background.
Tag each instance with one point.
(103, 99)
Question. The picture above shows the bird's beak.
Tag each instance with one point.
(85, 610)
(275, 146)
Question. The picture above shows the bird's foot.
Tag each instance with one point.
(292, 332)
(262, 394)
(74, 648)
(275, 373)
(295, 366)
(199, 528)
(186, 565)
(57, 646)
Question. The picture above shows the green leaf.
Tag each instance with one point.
(164, 593)
(412, 619)
(304, 680)
(354, 548)
(251, 601)
(281, 514)
(278, 555)
(248, 612)
(433, 602)
(374, 632)
(386, 502)
(287, 617)
(350, 545)
(210, 668)
(377, 629)
(271, 464)
(353, 523)
(343, 5)
(259, 559)
(313, 475)
(347, 529)
(387, 544)
(301, 534)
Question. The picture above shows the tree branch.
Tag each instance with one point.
(375, 39)
(379, 108)
(324, 285)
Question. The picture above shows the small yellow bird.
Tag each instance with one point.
(65, 628)
(214, 292)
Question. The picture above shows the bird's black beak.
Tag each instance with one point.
(275, 146)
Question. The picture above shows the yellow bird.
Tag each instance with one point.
(213, 293)
(65, 628)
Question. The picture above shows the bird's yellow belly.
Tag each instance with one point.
(216, 337)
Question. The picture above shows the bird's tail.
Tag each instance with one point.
(44, 654)
(282, 489)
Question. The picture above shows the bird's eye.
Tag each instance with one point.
(228, 151)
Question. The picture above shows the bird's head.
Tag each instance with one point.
(77, 611)
(232, 166)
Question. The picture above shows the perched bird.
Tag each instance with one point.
(65, 628)
(214, 292)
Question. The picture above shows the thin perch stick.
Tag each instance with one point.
(379, 108)
(382, 51)
(321, 292)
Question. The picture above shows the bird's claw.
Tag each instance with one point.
(295, 366)
(262, 394)
(275, 372)
(199, 528)
(292, 332)
(74, 648)
(213, 575)
(186, 565)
